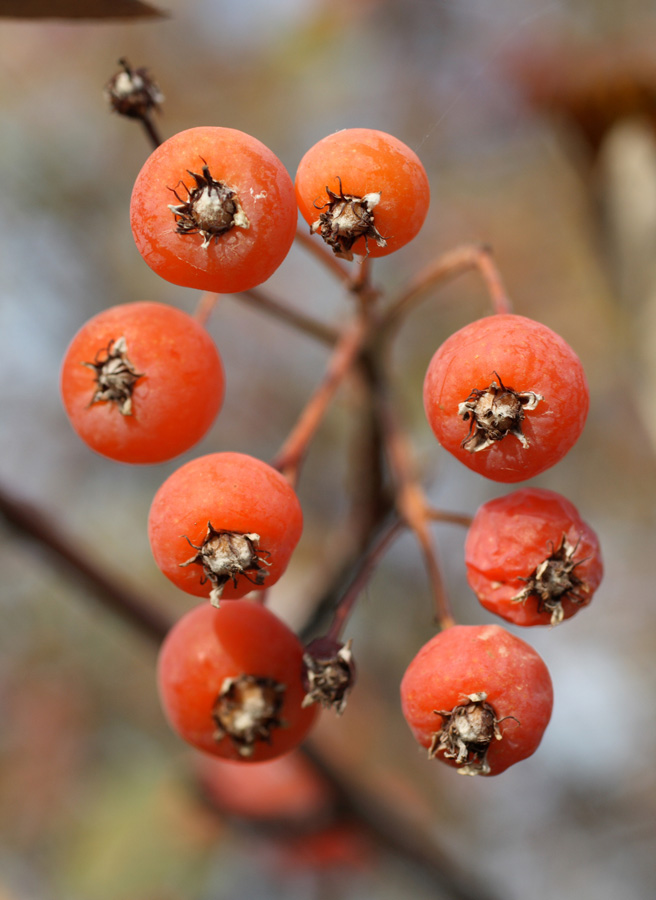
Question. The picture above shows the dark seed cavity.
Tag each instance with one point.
(247, 711)
(115, 376)
(345, 218)
(226, 555)
(210, 209)
(555, 580)
(495, 412)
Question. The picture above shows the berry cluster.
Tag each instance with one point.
(214, 209)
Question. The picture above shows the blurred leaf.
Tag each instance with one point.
(77, 9)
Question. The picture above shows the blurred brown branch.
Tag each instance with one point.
(79, 9)
(35, 525)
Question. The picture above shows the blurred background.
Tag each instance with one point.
(536, 124)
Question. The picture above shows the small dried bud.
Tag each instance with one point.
(132, 93)
(329, 673)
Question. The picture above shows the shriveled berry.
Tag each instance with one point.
(531, 558)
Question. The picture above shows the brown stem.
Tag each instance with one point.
(290, 456)
(453, 518)
(205, 306)
(398, 831)
(152, 132)
(413, 508)
(35, 525)
(325, 256)
(264, 302)
(446, 267)
(386, 816)
(300, 321)
(367, 565)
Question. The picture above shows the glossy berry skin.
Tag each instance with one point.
(236, 493)
(510, 537)
(520, 354)
(362, 161)
(206, 647)
(238, 259)
(173, 402)
(470, 659)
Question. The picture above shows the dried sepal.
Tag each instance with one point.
(210, 209)
(329, 673)
(553, 580)
(247, 710)
(345, 219)
(493, 413)
(115, 376)
(226, 555)
(132, 92)
(466, 734)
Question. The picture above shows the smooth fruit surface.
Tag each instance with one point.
(173, 401)
(360, 162)
(237, 494)
(522, 355)
(468, 660)
(209, 646)
(287, 788)
(514, 536)
(243, 256)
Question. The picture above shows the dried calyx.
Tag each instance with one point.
(466, 734)
(224, 556)
(345, 219)
(132, 93)
(329, 673)
(495, 412)
(553, 580)
(211, 208)
(247, 710)
(115, 376)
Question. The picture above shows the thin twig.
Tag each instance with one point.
(152, 132)
(34, 524)
(205, 307)
(290, 457)
(445, 268)
(452, 518)
(325, 256)
(300, 321)
(412, 506)
(367, 566)
(400, 834)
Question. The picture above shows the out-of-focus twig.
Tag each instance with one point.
(326, 258)
(35, 525)
(445, 268)
(344, 356)
(398, 833)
